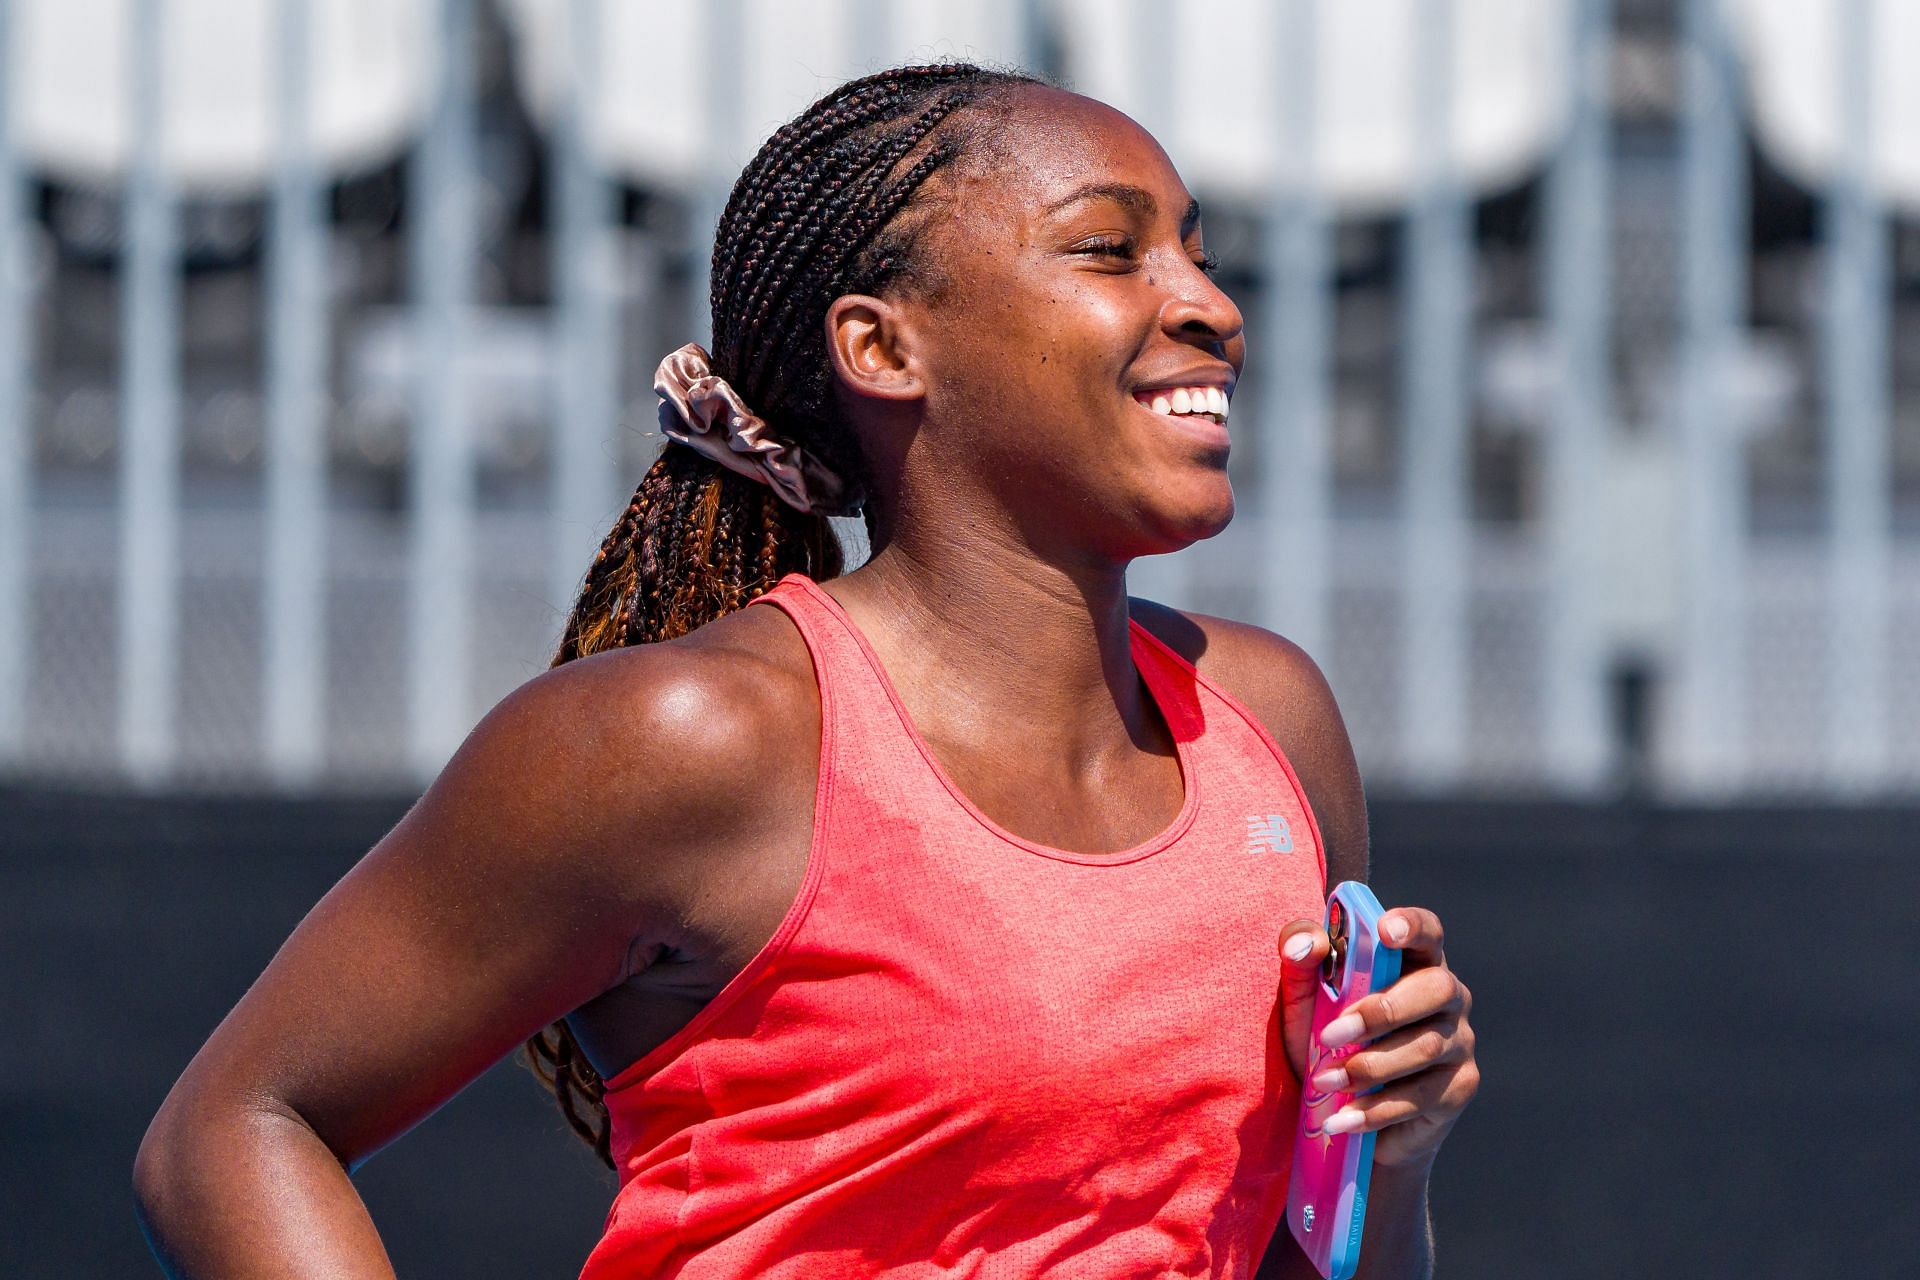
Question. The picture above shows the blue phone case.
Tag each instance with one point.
(1327, 1194)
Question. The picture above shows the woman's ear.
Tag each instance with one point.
(870, 343)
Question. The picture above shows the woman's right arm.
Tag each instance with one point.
(542, 866)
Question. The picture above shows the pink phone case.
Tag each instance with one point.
(1327, 1197)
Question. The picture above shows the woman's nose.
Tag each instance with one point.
(1199, 308)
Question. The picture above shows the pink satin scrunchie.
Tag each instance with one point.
(701, 410)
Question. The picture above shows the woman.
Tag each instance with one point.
(954, 915)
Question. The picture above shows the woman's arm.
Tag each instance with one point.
(535, 873)
(1418, 1031)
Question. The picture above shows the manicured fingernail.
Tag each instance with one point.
(1345, 1120)
(1331, 1080)
(1342, 1030)
(1299, 945)
(1394, 928)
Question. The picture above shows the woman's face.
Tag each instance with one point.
(1073, 300)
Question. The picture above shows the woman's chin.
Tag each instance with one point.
(1206, 511)
(1210, 508)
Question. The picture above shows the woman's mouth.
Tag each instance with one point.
(1186, 402)
(1199, 413)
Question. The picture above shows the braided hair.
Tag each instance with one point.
(815, 215)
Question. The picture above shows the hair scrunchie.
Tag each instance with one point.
(700, 409)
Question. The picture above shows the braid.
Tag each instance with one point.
(795, 145)
(811, 218)
(858, 212)
(789, 376)
(851, 106)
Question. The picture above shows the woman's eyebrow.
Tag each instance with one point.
(1138, 199)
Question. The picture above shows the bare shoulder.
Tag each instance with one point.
(651, 747)
(1283, 687)
(732, 690)
(694, 716)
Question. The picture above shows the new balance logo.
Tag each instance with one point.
(1268, 833)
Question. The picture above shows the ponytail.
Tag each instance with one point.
(696, 543)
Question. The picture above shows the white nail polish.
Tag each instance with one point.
(1345, 1120)
(1342, 1029)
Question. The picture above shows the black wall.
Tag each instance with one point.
(1700, 1035)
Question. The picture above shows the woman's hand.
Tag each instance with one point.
(1413, 1038)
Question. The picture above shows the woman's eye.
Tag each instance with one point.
(1123, 248)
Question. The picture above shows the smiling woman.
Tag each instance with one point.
(931, 918)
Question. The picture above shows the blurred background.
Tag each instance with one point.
(1579, 442)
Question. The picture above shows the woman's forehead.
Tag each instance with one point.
(1051, 146)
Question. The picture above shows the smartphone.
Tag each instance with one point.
(1327, 1197)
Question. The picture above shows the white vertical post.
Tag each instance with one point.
(16, 430)
(1033, 34)
(872, 35)
(1859, 497)
(1151, 51)
(1578, 270)
(1434, 458)
(149, 583)
(296, 512)
(585, 484)
(728, 44)
(1296, 479)
(440, 465)
(1709, 756)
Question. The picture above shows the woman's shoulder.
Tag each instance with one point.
(697, 737)
(725, 684)
(738, 687)
(1271, 675)
(1285, 690)
(1251, 662)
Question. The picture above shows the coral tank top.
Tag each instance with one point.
(967, 1054)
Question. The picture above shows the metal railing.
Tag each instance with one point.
(1514, 654)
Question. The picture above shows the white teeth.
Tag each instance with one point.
(1195, 400)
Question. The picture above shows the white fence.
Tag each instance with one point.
(325, 329)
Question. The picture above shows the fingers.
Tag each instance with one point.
(1414, 998)
(1392, 1104)
(1401, 1054)
(1410, 1044)
(1302, 943)
(1415, 931)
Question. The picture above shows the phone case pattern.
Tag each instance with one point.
(1327, 1195)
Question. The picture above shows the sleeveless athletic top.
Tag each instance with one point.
(964, 1053)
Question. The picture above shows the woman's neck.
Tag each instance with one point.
(985, 640)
